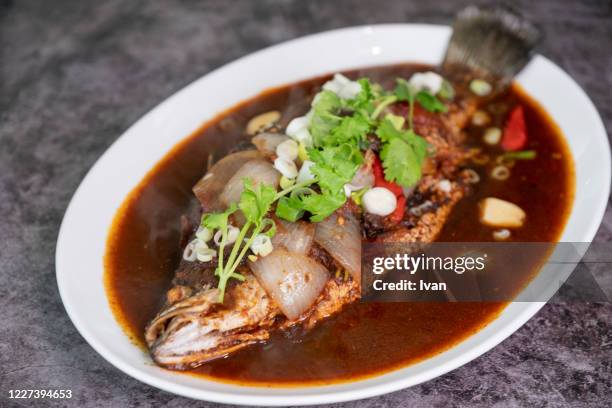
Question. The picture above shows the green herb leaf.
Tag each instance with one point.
(322, 206)
(255, 201)
(335, 165)
(327, 178)
(402, 154)
(325, 116)
(289, 208)
(400, 162)
(351, 129)
(429, 102)
(419, 145)
(218, 220)
(363, 100)
(403, 91)
(387, 131)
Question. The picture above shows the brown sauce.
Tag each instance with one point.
(365, 339)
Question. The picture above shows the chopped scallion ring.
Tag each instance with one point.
(480, 87)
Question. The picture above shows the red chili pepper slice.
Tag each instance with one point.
(397, 215)
(515, 132)
(379, 178)
(379, 181)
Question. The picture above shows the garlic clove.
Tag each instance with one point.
(495, 212)
(262, 122)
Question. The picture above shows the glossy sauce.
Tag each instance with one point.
(365, 338)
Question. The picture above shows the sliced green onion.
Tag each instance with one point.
(500, 173)
(302, 191)
(268, 227)
(521, 155)
(446, 91)
(356, 196)
(286, 182)
(492, 136)
(397, 121)
(302, 152)
(386, 101)
(480, 87)
(481, 118)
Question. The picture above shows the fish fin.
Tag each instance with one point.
(491, 43)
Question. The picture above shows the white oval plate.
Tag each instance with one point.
(81, 242)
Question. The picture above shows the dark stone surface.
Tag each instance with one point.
(74, 75)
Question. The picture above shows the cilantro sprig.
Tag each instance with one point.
(402, 153)
(339, 130)
(338, 127)
(255, 203)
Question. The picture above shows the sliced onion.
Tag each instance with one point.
(471, 176)
(502, 234)
(266, 142)
(340, 236)
(259, 170)
(230, 238)
(505, 161)
(481, 118)
(286, 167)
(445, 186)
(480, 158)
(262, 245)
(407, 191)
(189, 253)
(304, 174)
(500, 173)
(293, 281)
(296, 237)
(364, 177)
(208, 189)
(288, 150)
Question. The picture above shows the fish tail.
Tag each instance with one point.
(491, 43)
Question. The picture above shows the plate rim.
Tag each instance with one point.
(304, 399)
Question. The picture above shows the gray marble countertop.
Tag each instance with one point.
(74, 75)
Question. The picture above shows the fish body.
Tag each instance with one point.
(194, 327)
